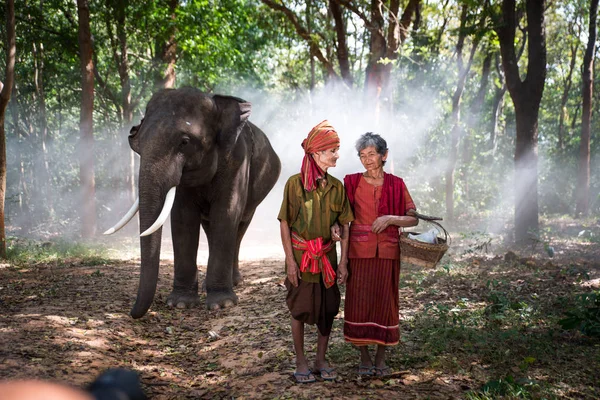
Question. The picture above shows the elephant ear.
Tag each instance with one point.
(134, 138)
(233, 114)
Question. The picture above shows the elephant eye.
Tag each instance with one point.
(185, 140)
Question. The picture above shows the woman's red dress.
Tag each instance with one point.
(371, 312)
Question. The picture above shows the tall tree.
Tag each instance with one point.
(86, 124)
(385, 39)
(342, 45)
(583, 174)
(574, 47)
(526, 95)
(120, 56)
(166, 50)
(497, 101)
(456, 132)
(310, 38)
(5, 92)
(42, 193)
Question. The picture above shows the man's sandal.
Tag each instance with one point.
(328, 374)
(366, 370)
(381, 372)
(304, 377)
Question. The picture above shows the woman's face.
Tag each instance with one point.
(371, 159)
(327, 158)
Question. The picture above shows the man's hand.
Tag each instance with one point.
(336, 232)
(293, 272)
(342, 272)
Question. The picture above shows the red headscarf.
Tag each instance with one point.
(321, 137)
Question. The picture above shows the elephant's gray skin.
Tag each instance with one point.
(223, 166)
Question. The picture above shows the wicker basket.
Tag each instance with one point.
(423, 254)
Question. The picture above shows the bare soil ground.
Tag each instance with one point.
(68, 321)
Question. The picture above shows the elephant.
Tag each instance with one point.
(206, 164)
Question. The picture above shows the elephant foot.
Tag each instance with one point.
(237, 279)
(220, 300)
(183, 300)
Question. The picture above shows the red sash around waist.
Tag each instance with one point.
(314, 257)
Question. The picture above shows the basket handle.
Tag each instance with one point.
(413, 213)
(432, 220)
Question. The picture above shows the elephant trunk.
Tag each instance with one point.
(152, 199)
(150, 253)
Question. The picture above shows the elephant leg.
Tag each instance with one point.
(185, 230)
(222, 245)
(237, 276)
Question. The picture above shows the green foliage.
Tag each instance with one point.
(506, 387)
(243, 46)
(479, 242)
(585, 315)
(22, 253)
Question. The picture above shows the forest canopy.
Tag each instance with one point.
(471, 96)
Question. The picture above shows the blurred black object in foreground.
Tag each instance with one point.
(117, 384)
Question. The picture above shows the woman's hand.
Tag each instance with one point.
(382, 222)
(293, 272)
(336, 232)
(342, 272)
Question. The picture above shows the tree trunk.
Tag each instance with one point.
(456, 100)
(565, 97)
(526, 96)
(166, 52)
(312, 58)
(43, 195)
(497, 102)
(374, 70)
(127, 107)
(5, 92)
(583, 173)
(396, 35)
(314, 48)
(478, 101)
(86, 142)
(342, 45)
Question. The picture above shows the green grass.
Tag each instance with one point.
(509, 388)
(500, 326)
(23, 252)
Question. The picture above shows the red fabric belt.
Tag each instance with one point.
(314, 257)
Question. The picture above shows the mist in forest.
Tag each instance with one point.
(411, 128)
(287, 123)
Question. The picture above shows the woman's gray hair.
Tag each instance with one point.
(372, 139)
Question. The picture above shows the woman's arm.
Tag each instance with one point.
(386, 220)
(293, 272)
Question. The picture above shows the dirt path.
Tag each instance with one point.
(68, 322)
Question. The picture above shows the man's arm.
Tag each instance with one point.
(343, 264)
(293, 272)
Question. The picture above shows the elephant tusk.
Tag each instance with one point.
(163, 214)
(126, 218)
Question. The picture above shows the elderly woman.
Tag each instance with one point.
(313, 201)
(380, 202)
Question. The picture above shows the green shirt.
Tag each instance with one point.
(311, 214)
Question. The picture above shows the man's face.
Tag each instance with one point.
(327, 158)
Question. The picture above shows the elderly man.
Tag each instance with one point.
(313, 201)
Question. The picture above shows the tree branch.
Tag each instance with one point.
(304, 34)
(348, 4)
